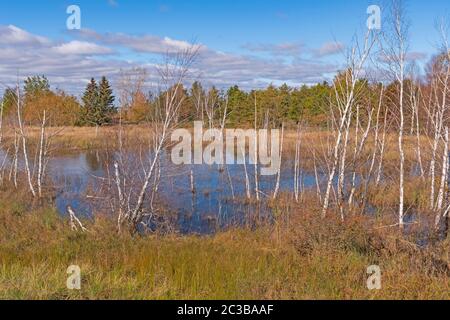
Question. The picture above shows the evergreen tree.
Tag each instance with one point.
(286, 111)
(90, 104)
(98, 103)
(196, 99)
(105, 101)
(36, 85)
(240, 107)
(9, 101)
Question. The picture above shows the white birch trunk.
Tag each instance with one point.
(42, 152)
(24, 145)
(277, 185)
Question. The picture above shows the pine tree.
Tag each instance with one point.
(36, 85)
(105, 101)
(98, 103)
(9, 101)
(90, 104)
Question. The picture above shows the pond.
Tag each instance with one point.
(210, 208)
(216, 203)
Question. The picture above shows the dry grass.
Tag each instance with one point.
(314, 140)
(299, 257)
(83, 138)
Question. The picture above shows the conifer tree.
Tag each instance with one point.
(36, 85)
(90, 104)
(98, 103)
(105, 101)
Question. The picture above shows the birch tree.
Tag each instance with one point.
(438, 110)
(132, 209)
(394, 50)
(345, 100)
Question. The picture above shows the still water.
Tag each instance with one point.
(210, 208)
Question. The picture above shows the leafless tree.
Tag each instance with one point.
(256, 151)
(345, 100)
(395, 50)
(75, 223)
(415, 97)
(378, 147)
(437, 112)
(24, 140)
(1, 122)
(297, 169)
(277, 184)
(172, 73)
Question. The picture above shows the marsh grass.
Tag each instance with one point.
(314, 141)
(298, 257)
(84, 138)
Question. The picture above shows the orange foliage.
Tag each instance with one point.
(61, 109)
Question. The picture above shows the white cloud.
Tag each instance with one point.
(415, 55)
(144, 43)
(410, 57)
(329, 48)
(283, 49)
(81, 48)
(12, 35)
(176, 44)
(70, 65)
(227, 68)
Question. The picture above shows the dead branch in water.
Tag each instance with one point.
(75, 223)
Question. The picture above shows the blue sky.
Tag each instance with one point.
(258, 34)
